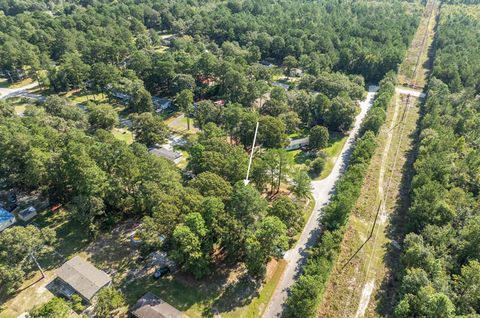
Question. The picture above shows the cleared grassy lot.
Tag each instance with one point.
(123, 134)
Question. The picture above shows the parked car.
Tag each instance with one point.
(162, 271)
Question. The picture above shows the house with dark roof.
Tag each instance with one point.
(171, 155)
(6, 219)
(150, 306)
(81, 277)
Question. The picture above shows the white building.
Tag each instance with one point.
(298, 143)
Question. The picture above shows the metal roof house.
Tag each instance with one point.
(6, 219)
(150, 306)
(27, 214)
(167, 154)
(298, 143)
(81, 277)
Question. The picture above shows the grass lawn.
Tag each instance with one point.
(183, 163)
(28, 298)
(20, 109)
(71, 238)
(188, 299)
(345, 287)
(178, 123)
(259, 303)
(335, 146)
(83, 97)
(20, 104)
(5, 84)
(297, 158)
(160, 49)
(123, 134)
(240, 299)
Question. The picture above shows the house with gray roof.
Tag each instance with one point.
(150, 306)
(81, 277)
(171, 155)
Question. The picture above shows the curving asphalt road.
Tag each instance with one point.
(6, 93)
(321, 191)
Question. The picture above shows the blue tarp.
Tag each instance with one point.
(5, 216)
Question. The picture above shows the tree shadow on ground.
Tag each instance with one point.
(238, 294)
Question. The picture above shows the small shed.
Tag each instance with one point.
(298, 143)
(27, 214)
(150, 306)
(79, 276)
(6, 219)
(171, 155)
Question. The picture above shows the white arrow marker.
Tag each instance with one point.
(246, 181)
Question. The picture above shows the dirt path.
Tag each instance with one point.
(383, 192)
(368, 288)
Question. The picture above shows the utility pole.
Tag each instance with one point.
(38, 265)
(246, 181)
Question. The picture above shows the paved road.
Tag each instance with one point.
(321, 191)
(6, 93)
(409, 91)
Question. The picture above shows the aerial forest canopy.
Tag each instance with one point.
(361, 37)
(441, 256)
(215, 61)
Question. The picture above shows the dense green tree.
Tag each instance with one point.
(108, 300)
(187, 239)
(182, 82)
(149, 129)
(272, 132)
(300, 184)
(210, 184)
(184, 100)
(17, 245)
(246, 204)
(318, 137)
(140, 100)
(268, 241)
(206, 111)
(317, 166)
(341, 114)
(71, 73)
(102, 116)
(54, 308)
(288, 212)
